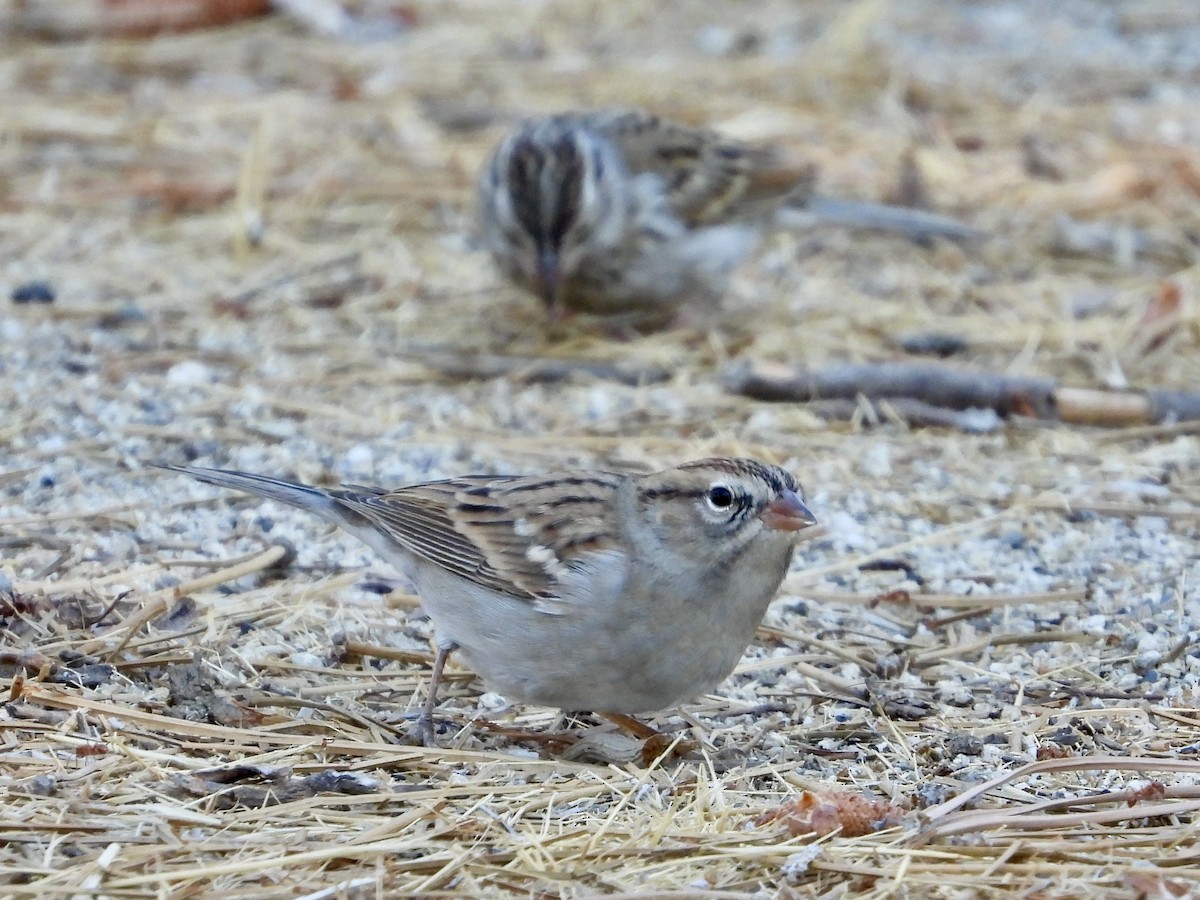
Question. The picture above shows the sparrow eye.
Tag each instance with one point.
(720, 497)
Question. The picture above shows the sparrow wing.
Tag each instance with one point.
(518, 535)
(708, 178)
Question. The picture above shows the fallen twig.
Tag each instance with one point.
(1094, 763)
(950, 601)
(924, 386)
(534, 369)
(940, 821)
(966, 650)
(913, 412)
(130, 18)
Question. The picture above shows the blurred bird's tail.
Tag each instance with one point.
(292, 493)
(866, 216)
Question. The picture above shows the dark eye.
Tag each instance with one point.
(720, 497)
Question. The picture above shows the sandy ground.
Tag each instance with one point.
(260, 246)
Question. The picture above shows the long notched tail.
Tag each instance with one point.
(866, 216)
(293, 493)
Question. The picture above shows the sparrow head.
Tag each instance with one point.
(727, 503)
(547, 193)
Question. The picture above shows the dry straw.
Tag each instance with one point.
(260, 243)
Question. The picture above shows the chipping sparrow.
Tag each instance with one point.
(582, 590)
(623, 213)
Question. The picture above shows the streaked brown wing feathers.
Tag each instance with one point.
(708, 178)
(512, 534)
(417, 519)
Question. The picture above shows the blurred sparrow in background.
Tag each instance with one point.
(582, 590)
(624, 213)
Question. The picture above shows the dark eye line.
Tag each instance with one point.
(740, 498)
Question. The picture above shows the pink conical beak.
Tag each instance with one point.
(787, 512)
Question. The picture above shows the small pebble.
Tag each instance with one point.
(42, 785)
(934, 343)
(33, 292)
(716, 41)
(1014, 540)
(491, 700)
(963, 745)
(877, 461)
(189, 372)
(359, 458)
(128, 314)
(376, 587)
(795, 866)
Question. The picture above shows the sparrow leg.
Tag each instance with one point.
(424, 728)
(639, 741)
